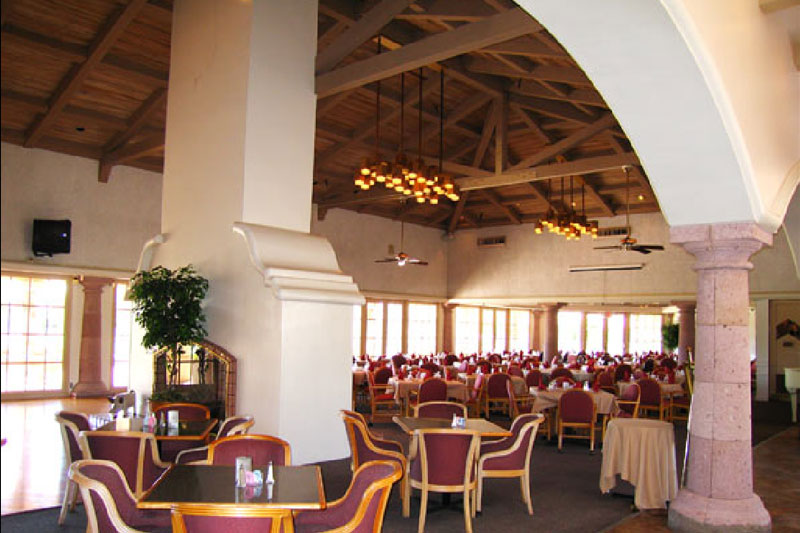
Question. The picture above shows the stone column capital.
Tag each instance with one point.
(721, 246)
(90, 283)
(685, 305)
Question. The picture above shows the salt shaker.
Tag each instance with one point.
(270, 475)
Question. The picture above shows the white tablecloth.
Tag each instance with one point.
(520, 387)
(642, 452)
(667, 389)
(606, 402)
(578, 375)
(455, 389)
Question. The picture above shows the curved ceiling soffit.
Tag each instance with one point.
(639, 60)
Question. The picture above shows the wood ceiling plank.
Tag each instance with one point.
(527, 47)
(451, 11)
(360, 32)
(140, 117)
(39, 105)
(578, 167)
(42, 44)
(553, 108)
(328, 104)
(601, 124)
(70, 85)
(501, 135)
(489, 124)
(463, 110)
(457, 212)
(593, 194)
(581, 96)
(531, 123)
(572, 75)
(438, 47)
(509, 212)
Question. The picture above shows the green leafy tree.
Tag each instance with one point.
(669, 336)
(168, 306)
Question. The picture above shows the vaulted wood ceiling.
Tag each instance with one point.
(522, 121)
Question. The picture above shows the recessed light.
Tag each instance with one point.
(641, 197)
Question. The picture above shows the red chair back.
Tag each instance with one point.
(623, 373)
(576, 406)
(262, 448)
(127, 449)
(562, 372)
(515, 370)
(381, 376)
(235, 425)
(496, 386)
(446, 457)
(631, 394)
(433, 390)
(534, 378)
(186, 411)
(605, 379)
(444, 410)
(650, 392)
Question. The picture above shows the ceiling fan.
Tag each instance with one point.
(628, 243)
(402, 258)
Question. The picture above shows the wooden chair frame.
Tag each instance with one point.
(523, 474)
(413, 395)
(174, 405)
(478, 400)
(547, 427)
(461, 406)
(374, 389)
(664, 408)
(239, 429)
(70, 489)
(287, 449)
(577, 425)
(145, 439)
(675, 411)
(282, 518)
(87, 484)
(502, 400)
(469, 488)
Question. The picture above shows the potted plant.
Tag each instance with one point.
(669, 336)
(167, 304)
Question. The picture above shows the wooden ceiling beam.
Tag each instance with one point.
(572, 75)
(39, 105)
(462, 202)
(531, 124)
(578, 167)
(432, 49)
(581, 96)
(527, 47)
(102, 43)
(552, 108)
(501, 135)
(509, 212)
(604, 122)
(138, 119)
(463, 110)
(451, 11)
(489, 124)
(152, 144)
(53, 144)
(593, 194)
(357, 34)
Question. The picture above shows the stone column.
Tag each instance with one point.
(447, 312)
(90, 382)
(536, 330)
(686, 331)
(551, 330)
(719, 479)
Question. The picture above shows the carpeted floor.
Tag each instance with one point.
(566, 497)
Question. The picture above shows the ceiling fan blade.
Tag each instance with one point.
(387, 260)
(418, 262)
(651, 246)
(615, 247)
(639, 249)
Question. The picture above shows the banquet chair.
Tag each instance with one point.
(680, 405)
(110, 505)
(444, 410)
(605, 381)
(136, 454)
(361, 508)
(562, 372)
(213, 518)
(433, 368)
(651, 399)
(510, 456)
(515, 370)
(628, 403)
(186, 411)
(262, 449)
(497, 393)
(431, 390)
(534, 378)
(378, 382)
(576, 409)
(233, 425)
(526, 406)
(442, 460)
(476, 395)
(364, 446)
(72, 424)
(623, 373)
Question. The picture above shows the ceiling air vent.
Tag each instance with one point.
(491, 242)
(619, 231)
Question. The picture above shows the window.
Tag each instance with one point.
(357, 330)
(394, 328)
(569, 331)
(467, 322)
(616, 334)
(500, 331)
(33, 317)
(519, 330)
(487, 330)
(645, 333)
(422, 328)
(123, 325)
(374, 344)
(594, 332)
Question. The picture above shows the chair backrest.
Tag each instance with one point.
(534, 378)
(562, 372)
(444, 457)
(135, 453)
(688, 370)
(515, 451)
(72, 424)
(623, 372)
(235, 425)
(398, 360)
(262, 448)
(496, 386)
(381, 376)
(515, 370)
(605, 379)
(212, 518)
(186, 411)
(444, 410)
(433, 390)
(362, 448)
(576, 406)
(632, 393)
(433, 368)
(477, 387)
(650, 392)
(109, 503)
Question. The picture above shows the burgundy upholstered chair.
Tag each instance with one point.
(186, 411)
(71, 425)
(525, 405)
(450, 359)
(652, 400)
(562, 372)
(515, 370)
(444, 410)
(431, 390)
(511, 456)
(628, 402)
(534, 378)
(442, 460)
(681, 405)
(623, 373)
(497, 393)
(262, 448)
(382, 402)
(476, 395)
(433, 368)
(576, 409)
(135, 453)
(214, 518)
(110, 505)
(605, 381)
(233, 425)
(362, 507)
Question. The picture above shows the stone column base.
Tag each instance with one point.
(90, 390)
(691, 512)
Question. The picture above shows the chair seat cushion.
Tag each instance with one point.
(384, 397)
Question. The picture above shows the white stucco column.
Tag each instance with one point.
(551, 330)
(237, 204)
(719, 479)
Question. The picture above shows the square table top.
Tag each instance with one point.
(187, 429)
(481, 425)
(295, 487)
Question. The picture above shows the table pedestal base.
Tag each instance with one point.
(691, 512)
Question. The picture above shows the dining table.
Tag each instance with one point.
(409, 424)
(402, 390)
(186, 430)
(667, 389)
(295, 488)
(605, 402)
(520, 387)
